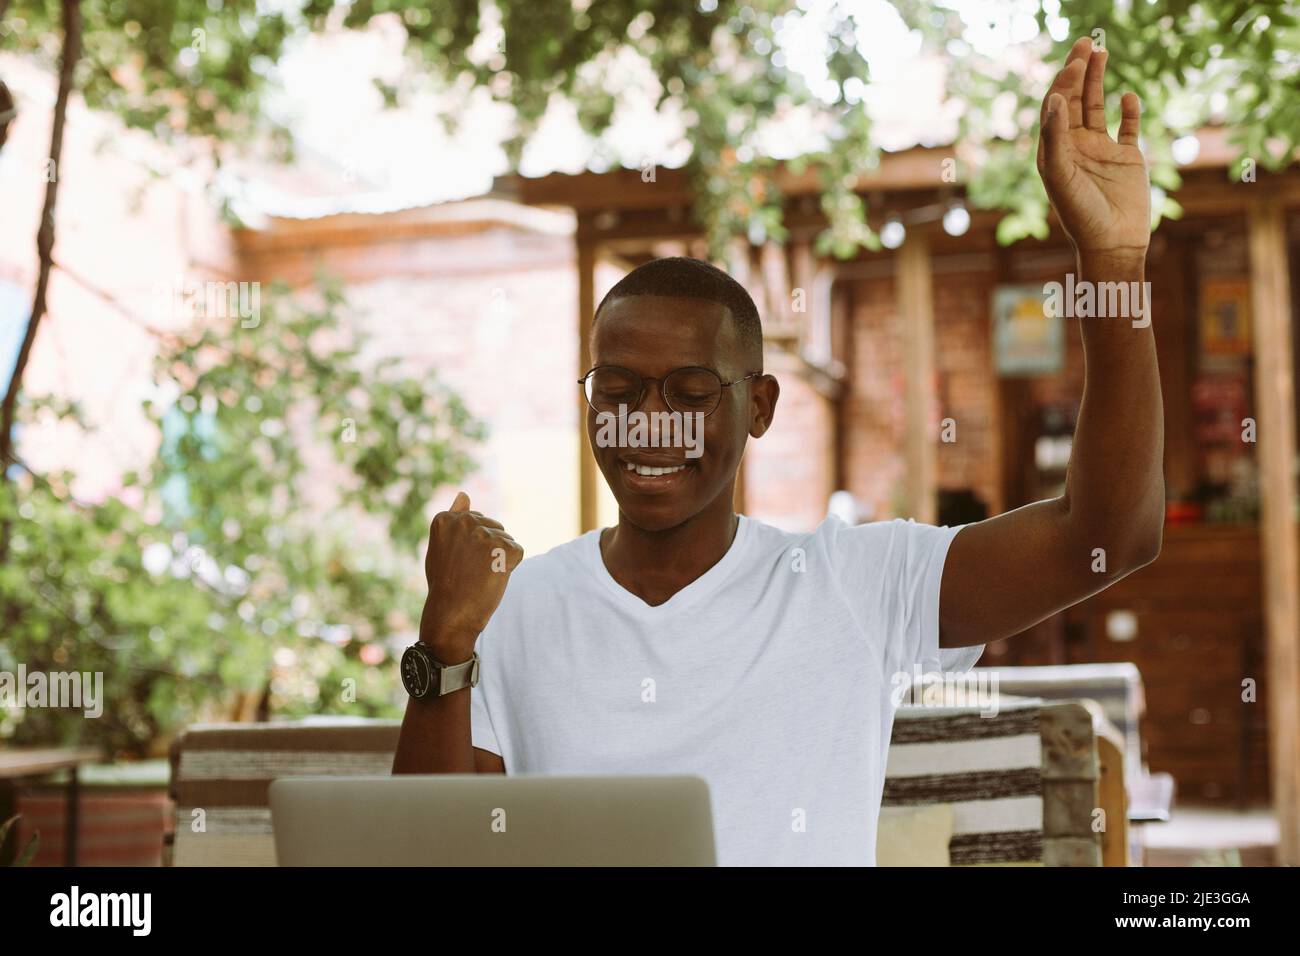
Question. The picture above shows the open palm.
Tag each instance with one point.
(1098, 186)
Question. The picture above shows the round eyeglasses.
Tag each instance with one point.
(693, 390)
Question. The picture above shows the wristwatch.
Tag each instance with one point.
(424, 676)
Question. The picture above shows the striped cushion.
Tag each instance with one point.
(1022, 784)
(1117, 687)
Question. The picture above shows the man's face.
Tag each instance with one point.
(652, 336)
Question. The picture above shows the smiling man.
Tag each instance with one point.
(690, 639)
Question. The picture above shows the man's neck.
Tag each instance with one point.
(655, 565)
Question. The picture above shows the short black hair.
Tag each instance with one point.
(685, 278)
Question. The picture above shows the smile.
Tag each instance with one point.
(650, 470)
(654, 477)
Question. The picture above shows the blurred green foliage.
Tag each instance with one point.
(720, 64)
(1193, 62)
(271, 549)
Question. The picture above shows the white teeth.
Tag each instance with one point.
(649, 470)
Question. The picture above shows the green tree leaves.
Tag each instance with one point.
(274, 550)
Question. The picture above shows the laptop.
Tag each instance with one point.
(492, 820)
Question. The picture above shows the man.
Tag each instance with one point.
(691, 640)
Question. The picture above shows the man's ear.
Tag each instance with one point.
(765, 392)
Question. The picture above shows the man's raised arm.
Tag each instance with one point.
(1006, 574)
(469, 561)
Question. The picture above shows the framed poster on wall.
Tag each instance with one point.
(1026, 340)
(1224, 322)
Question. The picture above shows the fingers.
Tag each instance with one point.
(1069, 82)
(488, 522)
(1056, 128)
(451, 527)
(461, 507)
(1094, 95)
(1071, 78)
(511, 550)
(1130, 121)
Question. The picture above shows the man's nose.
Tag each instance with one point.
(652, 399)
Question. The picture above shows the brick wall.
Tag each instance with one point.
(789, 472)
(967, 386)
(966, 390)
(874, 410)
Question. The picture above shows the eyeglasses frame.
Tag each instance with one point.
(647, 378)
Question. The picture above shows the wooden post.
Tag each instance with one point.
(774, 279)
(1275, 420)
(71, 818)
(586, 311)
(1176, 351)
(1111, 798)
(740, 266)
(916, 302)
(738, 493)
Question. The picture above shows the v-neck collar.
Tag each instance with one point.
(703, 586)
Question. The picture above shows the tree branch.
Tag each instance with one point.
(45, 234)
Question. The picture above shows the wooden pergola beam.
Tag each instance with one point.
(1213, 194)
(917, 168)
(1279, 545)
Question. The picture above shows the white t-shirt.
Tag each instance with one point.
(769, 676)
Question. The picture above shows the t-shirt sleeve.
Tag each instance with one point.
(890, 573)
(482, 732)
(482, 735)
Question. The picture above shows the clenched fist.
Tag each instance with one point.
(469, 561)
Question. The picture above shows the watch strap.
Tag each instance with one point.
(453, 677)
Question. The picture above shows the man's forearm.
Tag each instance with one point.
(1115, 489)
(435, 735)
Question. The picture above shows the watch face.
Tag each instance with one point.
(417, 676)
